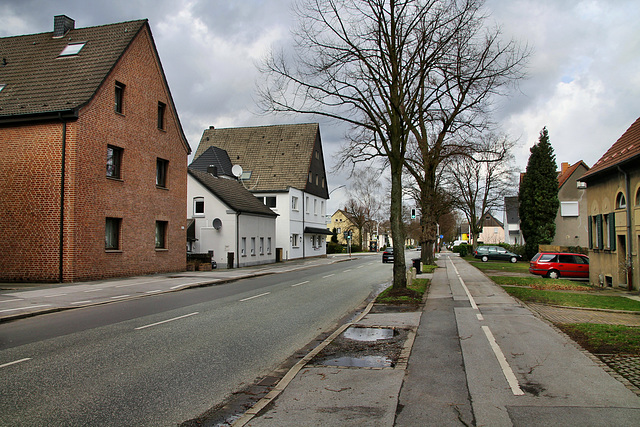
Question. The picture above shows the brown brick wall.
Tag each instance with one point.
(32, 231)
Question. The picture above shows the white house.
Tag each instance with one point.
(283, 166)
(227, 220)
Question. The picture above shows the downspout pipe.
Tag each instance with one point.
(629, 234)
(303, 215)
(238, 239)
(62, 188)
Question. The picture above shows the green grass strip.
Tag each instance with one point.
(417, 290)
(605, 339)
(542, 283)
(571, 299)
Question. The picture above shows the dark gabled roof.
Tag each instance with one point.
(39, 81)
(40, 84)
(490, 221)
(232, 193)
(624, 151)
(563, 176)
(511, 208)
(278, 156)
(213, 156)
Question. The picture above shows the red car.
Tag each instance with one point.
(556, 264)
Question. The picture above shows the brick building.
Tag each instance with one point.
(93, 159)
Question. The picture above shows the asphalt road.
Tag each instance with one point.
(164, 359)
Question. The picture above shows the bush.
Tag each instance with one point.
(462, 249)
(334, 248)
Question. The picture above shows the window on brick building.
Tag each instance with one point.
(119, 98)
(161, 234)
(161, 172)
(114, 162)
(162, 107)
(112, 234)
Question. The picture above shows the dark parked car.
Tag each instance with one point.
(387, 255)
(485, 253)
(555, 265)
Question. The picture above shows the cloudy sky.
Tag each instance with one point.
(583, 77)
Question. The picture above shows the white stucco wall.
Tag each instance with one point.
(224, 240)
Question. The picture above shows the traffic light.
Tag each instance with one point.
(413, 213)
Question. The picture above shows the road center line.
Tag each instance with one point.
(329, 275)
(255, 296)
(506, 369)
(12, 300)
(14, 362)
(154, 292)
(301, 283)
(56, 295)
(25, 308)
(120, 296)
(166, 321)
(81, 302)
(346, 271)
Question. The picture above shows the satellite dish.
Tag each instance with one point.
(217, 224)
(236, 170)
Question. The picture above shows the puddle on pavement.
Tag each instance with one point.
(360, 362)
(368, 334)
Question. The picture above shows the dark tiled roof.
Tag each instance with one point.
(625, 149)
(38, 81)
(563, 177)
(490, 221)
(213, 156)
(511, 208)
(232, 193)
(277, 156)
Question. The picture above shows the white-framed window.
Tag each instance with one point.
(294, 203)
(621, 201)
(198, 206)
(313, 241)
(322, 208)
(253, 246)
(294, 240)
(261, 246)
(243, 247)
(269, 245)
(315, 206)
(307, 205)
(569, 209)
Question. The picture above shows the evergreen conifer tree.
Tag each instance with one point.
(539, 196)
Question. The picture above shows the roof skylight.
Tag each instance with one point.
(72, 49)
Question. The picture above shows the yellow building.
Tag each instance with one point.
(613, 198)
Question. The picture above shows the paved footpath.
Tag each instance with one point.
(479, 357)
(521, 371)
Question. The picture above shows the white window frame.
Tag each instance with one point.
(294, 203)
(569, 209)
(253, 246)
(195, 203)
(294, 240)
(243, 247)
(261, 246)
(269, 245)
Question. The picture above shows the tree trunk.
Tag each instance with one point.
(397, 227)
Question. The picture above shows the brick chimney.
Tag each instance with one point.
(61, 25)
(564, 167)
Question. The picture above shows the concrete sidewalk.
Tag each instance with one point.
(19, 300)
(478, 358)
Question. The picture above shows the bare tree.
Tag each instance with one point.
(480, 183)
(391, 69)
